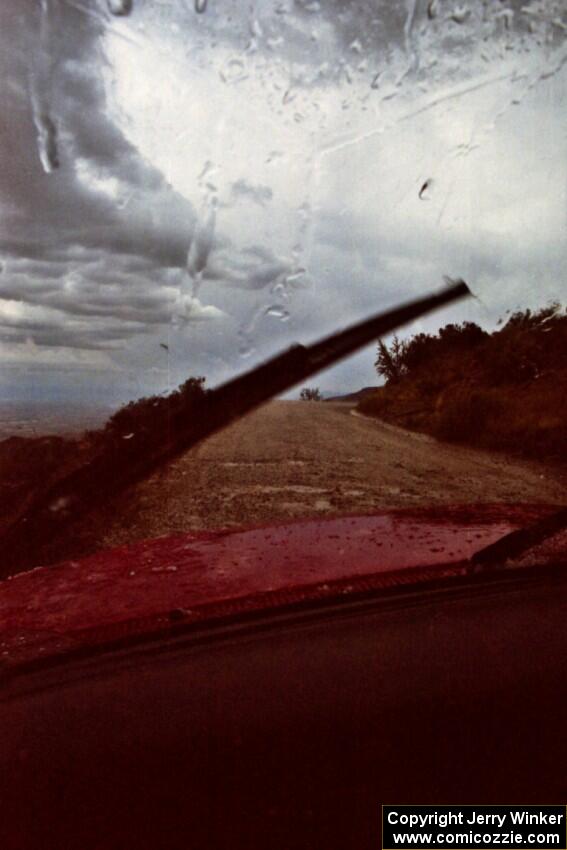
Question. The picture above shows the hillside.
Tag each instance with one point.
(357, 396)
(31, 466)
(504, 390)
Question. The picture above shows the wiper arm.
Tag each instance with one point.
(119, 465)
(245, 392)
(518, 542)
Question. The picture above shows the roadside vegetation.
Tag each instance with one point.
(310, 394)
(30, 465)
(504, 390)
(146, 418)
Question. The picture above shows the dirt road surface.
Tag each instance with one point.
(297, 459)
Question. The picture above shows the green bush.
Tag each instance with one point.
(505, 390)
(463, 414)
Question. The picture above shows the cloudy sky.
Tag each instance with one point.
(187, 187)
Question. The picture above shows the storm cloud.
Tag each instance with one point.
(305, 132)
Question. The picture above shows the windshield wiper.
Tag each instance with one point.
(519, 542)
(118, 465)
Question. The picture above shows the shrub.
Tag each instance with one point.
(146, 414)
(310, 394)
(505, 390)
(463, 415)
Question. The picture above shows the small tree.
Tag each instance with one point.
(390, 361)
(310, 394)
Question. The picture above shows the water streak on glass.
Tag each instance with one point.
(265, 154)
(120, 7)
(41, 83)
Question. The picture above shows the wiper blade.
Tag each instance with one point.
(245, 392)
(119, 465)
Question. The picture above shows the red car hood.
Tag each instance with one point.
(142, 589)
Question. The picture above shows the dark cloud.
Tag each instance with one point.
(38, 269)
(95, 253)
(255, 192)
(69, 248)
(46, 210)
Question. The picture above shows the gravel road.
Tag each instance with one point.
(296, 459)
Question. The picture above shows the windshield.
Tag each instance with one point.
(188, 188)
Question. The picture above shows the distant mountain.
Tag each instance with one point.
(33, 418)
(354, 397)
